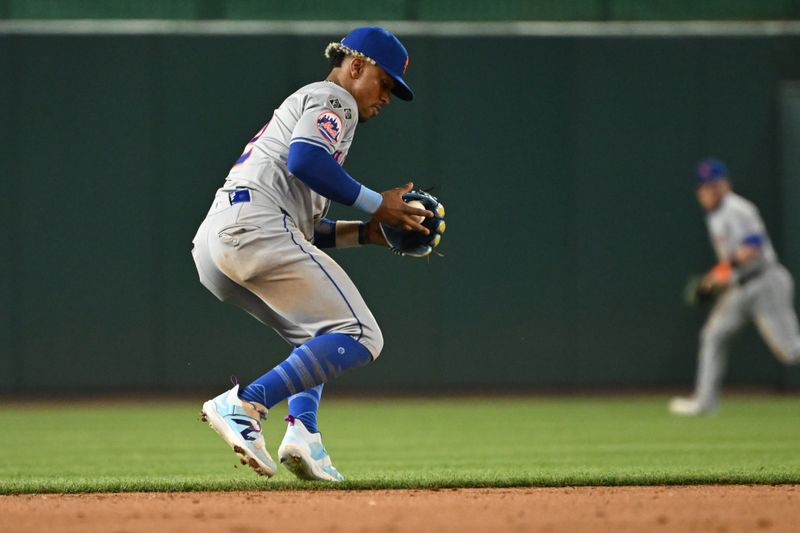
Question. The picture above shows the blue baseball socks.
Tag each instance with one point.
(309, 366)
(304, 406)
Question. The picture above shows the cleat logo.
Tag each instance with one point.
(250, 428)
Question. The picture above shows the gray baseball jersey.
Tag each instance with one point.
(258, 253)
(322, 114)
(734, 222)
(761, 290)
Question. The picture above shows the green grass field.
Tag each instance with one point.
(473, 442)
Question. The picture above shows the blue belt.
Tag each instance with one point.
(239, 197)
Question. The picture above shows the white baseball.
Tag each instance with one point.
(419, 205)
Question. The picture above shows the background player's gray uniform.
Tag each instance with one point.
(761, 290)
(259, 254)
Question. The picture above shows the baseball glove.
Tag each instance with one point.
(700, 289)
(694, 293)
(697, 291)
(411, 242)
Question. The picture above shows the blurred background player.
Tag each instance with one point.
(260, 248)
(752, 284)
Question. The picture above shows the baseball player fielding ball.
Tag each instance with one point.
(261, 248)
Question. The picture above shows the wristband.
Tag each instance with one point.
(362, 233)
(368, 200)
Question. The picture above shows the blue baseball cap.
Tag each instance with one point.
(387, 51)
(710, 170)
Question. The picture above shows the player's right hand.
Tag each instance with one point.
(395, 212)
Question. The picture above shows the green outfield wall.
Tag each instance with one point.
(478, 10)
(565, 164)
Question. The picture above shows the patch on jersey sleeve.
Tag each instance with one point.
(330, 126)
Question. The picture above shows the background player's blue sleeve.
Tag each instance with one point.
(316, 168)
(756, 240)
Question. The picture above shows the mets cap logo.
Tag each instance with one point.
(329, 126)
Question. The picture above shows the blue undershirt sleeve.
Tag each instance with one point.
(315, 167)
(755, 240)
(325, 233)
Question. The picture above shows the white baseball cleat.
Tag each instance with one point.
(303, 454)
(227, 416)
(688, 407)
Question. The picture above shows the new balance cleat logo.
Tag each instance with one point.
(250, 428)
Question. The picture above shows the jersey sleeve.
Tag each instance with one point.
(747, 228)
(718, 232)
(315, 153)
(321, 124)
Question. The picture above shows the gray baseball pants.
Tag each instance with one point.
(767, 300)
(253, 256)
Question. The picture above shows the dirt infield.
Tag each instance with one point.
(721, 509)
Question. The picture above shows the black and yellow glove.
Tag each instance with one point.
(412, 242)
